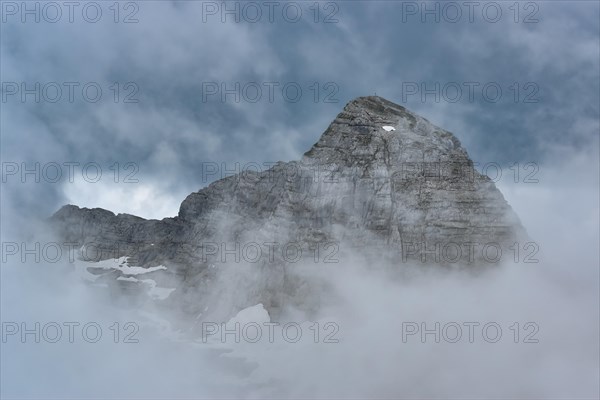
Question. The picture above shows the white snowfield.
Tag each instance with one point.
(388, 128)
(121, 264)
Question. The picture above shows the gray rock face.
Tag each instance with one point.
(381, 180)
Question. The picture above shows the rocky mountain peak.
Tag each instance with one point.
(380, 179)
(372, 125)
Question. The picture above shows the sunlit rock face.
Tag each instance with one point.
(381, 182)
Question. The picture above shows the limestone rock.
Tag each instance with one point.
(364, 187)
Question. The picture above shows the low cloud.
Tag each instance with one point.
(547, 313)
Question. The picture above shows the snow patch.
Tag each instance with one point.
(120, 264)
(128, 279)
(256, 314)
(127, 270)
(388, 128)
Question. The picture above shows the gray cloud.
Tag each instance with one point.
(171, 52)
(171, 132)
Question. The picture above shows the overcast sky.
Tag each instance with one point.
(543, 56)
(161, 123)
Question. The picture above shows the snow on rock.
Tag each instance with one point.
(127, 270)
(256, 314)
(81, 266)
(128, 279)
(120, 264)
(388, 128)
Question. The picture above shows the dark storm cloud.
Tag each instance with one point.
(170, 132)
(171, 54)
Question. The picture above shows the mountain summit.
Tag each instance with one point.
(380, 180)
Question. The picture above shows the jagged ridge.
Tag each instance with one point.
(366, 186)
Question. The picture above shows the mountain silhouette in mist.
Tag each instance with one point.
(380, 180)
